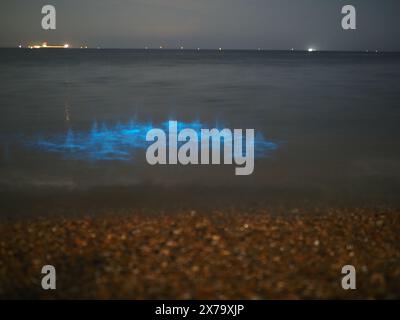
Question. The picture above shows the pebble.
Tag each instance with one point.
(203, 255)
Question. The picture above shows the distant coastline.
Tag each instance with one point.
(305, 50)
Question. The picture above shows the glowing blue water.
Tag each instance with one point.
(121, 141)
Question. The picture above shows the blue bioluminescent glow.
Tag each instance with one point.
(120, 142)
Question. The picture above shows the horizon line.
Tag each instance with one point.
(209, 49)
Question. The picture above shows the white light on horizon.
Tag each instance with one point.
(311, 49)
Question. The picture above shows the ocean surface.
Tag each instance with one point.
(326, 121)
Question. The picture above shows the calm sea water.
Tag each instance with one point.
(334, 116)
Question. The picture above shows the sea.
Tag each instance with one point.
(326, 123)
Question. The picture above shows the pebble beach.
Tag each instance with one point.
(190, 254)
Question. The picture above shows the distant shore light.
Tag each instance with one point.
(311, 49)
(66, 45)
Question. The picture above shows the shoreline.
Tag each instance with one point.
(48, 202)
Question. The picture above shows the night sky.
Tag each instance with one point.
(230, 24)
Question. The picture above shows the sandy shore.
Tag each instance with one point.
(229, 254)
